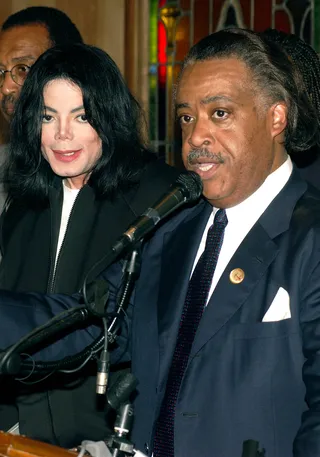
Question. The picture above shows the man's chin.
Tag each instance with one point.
(7, 115)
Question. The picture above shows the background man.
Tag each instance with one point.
(24, 36)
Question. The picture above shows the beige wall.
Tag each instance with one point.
(101, 23)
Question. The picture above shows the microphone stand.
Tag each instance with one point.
(131, 270)
(118, 399)
(251, 449)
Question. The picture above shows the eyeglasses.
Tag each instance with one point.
(18, 74)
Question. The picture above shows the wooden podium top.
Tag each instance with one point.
(21, 446)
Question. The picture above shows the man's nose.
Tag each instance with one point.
(9, 85)
(201, 135)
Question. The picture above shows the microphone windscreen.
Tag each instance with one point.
(191, 184)
(120, 391)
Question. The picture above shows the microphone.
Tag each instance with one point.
(251, 449)
(186, 189)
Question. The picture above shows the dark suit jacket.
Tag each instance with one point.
(246, 379)
(64, 409)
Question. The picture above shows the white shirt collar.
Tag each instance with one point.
(258, 202)
(242, 217)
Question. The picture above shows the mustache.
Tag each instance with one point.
(198, 153)
(6, 100)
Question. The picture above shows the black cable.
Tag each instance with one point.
(67, 362)
(70, 364)
(66, 319)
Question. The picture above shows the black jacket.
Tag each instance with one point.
(64, 409)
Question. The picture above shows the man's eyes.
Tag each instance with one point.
(185, 119)
(218, 114)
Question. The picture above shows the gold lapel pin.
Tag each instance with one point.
(236, 276)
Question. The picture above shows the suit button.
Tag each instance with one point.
(236, 276)
(146, 448)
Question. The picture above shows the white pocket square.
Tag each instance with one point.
(279, 308)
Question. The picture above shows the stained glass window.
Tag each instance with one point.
(175, 25)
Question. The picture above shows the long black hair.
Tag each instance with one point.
(307, 61)
(273, 74)
(110, 109)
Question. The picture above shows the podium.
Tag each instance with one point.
(21, 446)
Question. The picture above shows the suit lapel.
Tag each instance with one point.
(254, 256)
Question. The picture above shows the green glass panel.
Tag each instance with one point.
(153, 30)
(317, 25)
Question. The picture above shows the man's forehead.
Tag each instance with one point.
(227, 77)
(27, 41)
(216, 68)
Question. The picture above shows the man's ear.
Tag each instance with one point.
(278, 113)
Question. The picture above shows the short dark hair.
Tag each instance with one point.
(60, 27)
(307, 62)
(273, 73)
(110, 109)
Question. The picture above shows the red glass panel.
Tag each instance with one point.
(162, 52)
(201, 21)
(262, 15)
(281, 21)
(162, 112)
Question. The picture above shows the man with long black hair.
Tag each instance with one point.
(79, 173)
(24, 36)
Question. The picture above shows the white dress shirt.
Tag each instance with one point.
(69, 197)
(242, 217)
